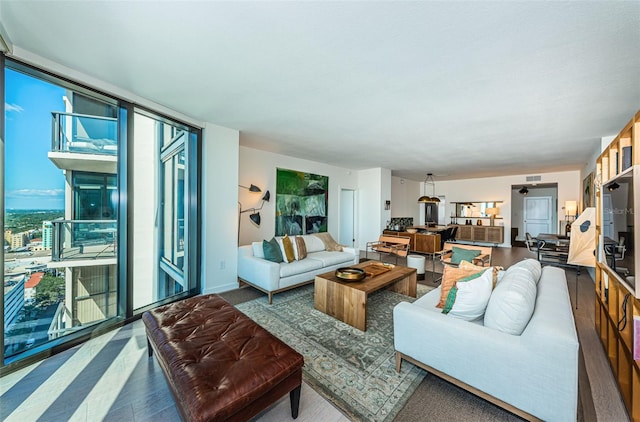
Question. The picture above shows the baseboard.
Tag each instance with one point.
(222, 288)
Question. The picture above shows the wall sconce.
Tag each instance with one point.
(491, 212)
(524, 191)
(255, 215)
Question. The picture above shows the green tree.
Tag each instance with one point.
(49, 288)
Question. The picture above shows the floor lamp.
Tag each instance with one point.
(255, 216)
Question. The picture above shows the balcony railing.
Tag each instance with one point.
(83, 133)
(83, 239)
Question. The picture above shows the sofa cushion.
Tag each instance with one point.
(299, 267)
(531, 265)
(258, 250)
(313, 243)
(331, 258)
(300, 249)
(460, 254)
(449, 278)
(512, 301)
(329, 243)
(469, 297)
(272, 250)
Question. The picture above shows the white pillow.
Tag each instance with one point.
(313, 243)
(512, 302)
(258, 250)
(279, 239)
(472, 296)
(532, 265)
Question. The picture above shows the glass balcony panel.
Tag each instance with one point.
(85, 134)
(84, 239)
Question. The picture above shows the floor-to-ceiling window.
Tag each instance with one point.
(164, 176)
(68, 243)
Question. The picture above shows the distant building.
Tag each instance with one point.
(7, 236)
(47, 230)
(13, 299)
(19, 240)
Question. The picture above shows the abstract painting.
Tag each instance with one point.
(301, 202)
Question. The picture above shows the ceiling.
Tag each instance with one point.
(458, 89)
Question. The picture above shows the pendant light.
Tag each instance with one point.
(427, 199)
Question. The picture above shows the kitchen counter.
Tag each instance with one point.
(420, 242)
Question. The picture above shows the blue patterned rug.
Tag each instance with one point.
(354, 370)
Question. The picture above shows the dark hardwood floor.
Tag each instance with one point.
(111, 378)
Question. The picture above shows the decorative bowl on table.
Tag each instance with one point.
(350, 274)
(412, 230)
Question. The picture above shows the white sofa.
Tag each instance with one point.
(271, 277)
(534, 374)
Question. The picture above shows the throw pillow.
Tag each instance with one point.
(469, 265)
(272, 250)
(329, 244)
(469, 297)
(460, 254)
(449, 278)
(300, 248)
(512, 302)
(287, 249)
(532, 265)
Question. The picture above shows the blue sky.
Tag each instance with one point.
(31, 180)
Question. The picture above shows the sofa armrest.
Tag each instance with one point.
(354, 251)
(258, 271)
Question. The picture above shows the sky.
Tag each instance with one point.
(31, 180)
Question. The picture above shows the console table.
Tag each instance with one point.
(480, 234)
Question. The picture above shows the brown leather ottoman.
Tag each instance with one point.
(219, 364)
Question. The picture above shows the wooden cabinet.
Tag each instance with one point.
(427, 243)
(420, 242)
(617, 298)
(481, 234)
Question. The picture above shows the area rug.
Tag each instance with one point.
(354, 370)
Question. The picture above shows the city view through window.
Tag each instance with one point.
(60, 211)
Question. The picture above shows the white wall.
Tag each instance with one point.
(259, 168)
(374, 188)
(499, 189)
(219, 208)
(404, 199)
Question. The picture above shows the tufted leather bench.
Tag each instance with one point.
(219, 364)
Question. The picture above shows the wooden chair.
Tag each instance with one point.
(484, 259)
(390, 245)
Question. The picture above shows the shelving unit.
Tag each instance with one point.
(616, 299)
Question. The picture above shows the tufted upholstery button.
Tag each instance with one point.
(220, 364)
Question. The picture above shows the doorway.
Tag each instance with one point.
(538, 215)
(534, 209)
(347, 217)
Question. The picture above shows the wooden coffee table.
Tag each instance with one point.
(347, 300)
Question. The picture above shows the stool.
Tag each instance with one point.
(417, 262)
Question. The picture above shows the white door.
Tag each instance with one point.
(607, 221)
(538, 215)
(347, 217)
